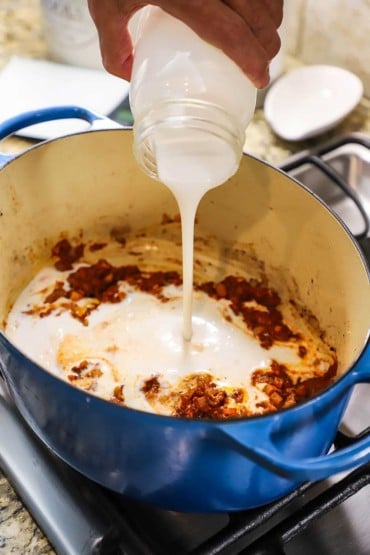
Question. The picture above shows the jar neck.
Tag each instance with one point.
(173, 116)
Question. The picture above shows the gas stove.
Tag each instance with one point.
(328, 518)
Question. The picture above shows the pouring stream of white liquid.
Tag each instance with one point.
(190, 165)
(188, 206)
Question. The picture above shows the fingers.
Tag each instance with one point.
(260, 20)
(111, 18)
(246, 30)
(275, 9)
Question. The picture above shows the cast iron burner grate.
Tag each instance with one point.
(81, 518)
(339, 173)
(234, 537)
(273, 541)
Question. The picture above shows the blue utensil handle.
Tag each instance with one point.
(312, 468)
(48, 114)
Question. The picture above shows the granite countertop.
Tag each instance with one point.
(21, 34)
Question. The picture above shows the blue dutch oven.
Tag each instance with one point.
(90, 181)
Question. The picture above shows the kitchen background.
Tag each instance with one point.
(332, 32)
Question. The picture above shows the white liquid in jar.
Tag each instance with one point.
(173, 71)
(172, 63)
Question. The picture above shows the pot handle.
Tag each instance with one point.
(264, 452)
(26, 119)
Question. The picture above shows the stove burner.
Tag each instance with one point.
(328, 517)
(339, 173)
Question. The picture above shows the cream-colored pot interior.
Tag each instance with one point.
(92, 181)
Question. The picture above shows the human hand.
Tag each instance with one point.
(246, 30)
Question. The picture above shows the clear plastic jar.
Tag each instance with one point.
(191, 103)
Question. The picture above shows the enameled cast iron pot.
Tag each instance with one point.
(91, 179)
